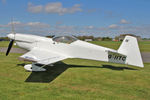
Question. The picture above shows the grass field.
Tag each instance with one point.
(5, 44)
(74, 79)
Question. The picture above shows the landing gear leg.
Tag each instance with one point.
(34, 67)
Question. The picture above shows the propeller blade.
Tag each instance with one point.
(9, 47)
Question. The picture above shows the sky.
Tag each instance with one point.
(76, 17)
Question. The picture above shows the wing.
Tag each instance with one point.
(42, 56)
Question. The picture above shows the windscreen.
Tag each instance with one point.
(64, 39)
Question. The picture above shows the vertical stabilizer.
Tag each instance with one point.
(130, 48)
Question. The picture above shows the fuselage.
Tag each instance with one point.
(69, 47)
(76, 49)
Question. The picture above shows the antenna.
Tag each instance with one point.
(12, 26)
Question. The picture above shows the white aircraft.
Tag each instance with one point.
(46, 51)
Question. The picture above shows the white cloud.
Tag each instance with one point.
(64, 27)
(18, 24)
(39, 28)
(14, 22)
(57, 7)
(34, 9)
(123, 21)
(89, 27)
(30, 27)
(113, 26)
(53, 8)
(38, 24)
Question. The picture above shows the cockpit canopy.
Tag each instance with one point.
(65, 39)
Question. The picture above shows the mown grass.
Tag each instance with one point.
(5, 44)
(144, 46)
(74, 79)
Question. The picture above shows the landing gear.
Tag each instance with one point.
(34, 67)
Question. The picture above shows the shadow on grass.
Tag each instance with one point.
(116, 68)
(103, 66)
(54, 71)
(51, 73)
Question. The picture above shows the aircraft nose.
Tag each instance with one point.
(11, 36)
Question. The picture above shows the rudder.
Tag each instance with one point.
(130, 48)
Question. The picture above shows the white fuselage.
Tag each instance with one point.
(76, 49)
(72, 48)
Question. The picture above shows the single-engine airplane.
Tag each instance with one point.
(46, 51)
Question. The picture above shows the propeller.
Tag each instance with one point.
(11, 41)
(9, 47)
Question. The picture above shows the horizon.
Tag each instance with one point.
(88, 36)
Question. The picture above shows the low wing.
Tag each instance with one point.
(42, 56)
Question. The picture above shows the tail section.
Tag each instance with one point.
(130, 48)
